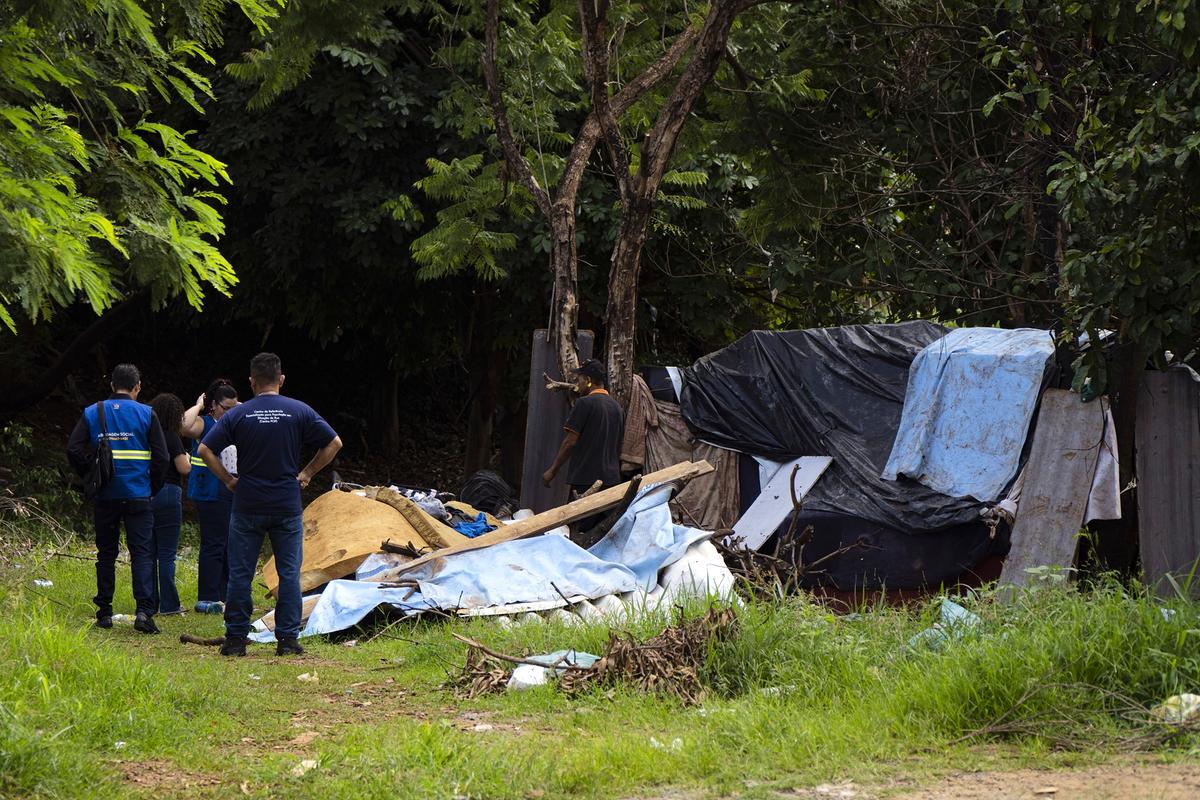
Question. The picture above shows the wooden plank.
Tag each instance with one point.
(1168, 470)
(544, 423)
(565, 515)
(774, 502)
(1058, 478)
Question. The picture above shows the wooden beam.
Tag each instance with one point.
(565, 515)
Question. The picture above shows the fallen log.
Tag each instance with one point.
(565, 515)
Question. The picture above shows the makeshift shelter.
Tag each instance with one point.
(903, 451)
(927, 430)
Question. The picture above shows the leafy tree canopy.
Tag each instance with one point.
(99, 194)
(1010, 162)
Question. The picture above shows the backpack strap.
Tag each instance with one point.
(103, 423)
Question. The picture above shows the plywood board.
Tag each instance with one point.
(547, 415)
(340, 530)
(1058, 478)
(774, 502)
(565, 515)
(1168, 470)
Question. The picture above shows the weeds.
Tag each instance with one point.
(797, 697)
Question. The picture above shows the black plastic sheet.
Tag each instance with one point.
(826, 391)
(881, 557)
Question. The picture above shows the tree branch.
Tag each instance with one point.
(660, 140)
(508, 143)
(630, 93)
(592, 17)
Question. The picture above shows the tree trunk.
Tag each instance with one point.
(621, 322)
(512, 441)
(657, 149)
(486, 380)
(560, 212)
(387, 411)
(564, 319)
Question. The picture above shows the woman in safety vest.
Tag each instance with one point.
(213, 501)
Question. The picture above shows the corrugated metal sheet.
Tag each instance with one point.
(1168, 468)
(1058, 480)
(544, 423)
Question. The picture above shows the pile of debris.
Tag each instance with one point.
(671, 663)
(379, 548)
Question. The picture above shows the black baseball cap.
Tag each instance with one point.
(592, 369)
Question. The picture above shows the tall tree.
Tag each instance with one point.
(99, 196)
(560, 79)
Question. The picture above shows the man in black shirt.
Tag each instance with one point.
(594, 431)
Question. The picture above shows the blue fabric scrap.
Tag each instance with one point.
(476, 527)
(970, 399)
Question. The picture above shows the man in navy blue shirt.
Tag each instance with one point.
(268, 432)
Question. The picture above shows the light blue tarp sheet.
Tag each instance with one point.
(970, 399)
(541, 569)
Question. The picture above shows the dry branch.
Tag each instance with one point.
(671, 663)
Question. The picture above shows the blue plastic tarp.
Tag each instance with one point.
(539, 570)
(970, 399)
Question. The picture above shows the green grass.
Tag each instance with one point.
(115, 713)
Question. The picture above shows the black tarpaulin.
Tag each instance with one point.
(825, 391)
(881, 557)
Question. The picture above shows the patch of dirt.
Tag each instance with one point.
(159, 774)
(1104, 782)
(1145, 781)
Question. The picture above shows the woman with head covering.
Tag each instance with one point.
(213, 501)
(167, 505)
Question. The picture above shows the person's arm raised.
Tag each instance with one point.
(193, 422)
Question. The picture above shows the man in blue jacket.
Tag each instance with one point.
(268, 432)
(139, 465)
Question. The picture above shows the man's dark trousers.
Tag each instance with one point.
(246, 534)
(138, 517)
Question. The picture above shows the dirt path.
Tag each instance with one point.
(1106, 782)
(1103, 782)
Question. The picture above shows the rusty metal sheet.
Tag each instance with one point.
(1168, 470)
(544, 423)
(1058, 479)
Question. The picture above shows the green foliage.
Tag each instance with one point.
(462, 240)
(328, 218)
(1001, 162)
(98, 195)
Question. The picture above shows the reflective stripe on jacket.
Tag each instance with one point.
(128, 424)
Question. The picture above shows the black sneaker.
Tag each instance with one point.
(145, 623)
(234, 646)
(288, 647)
(104, 621)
